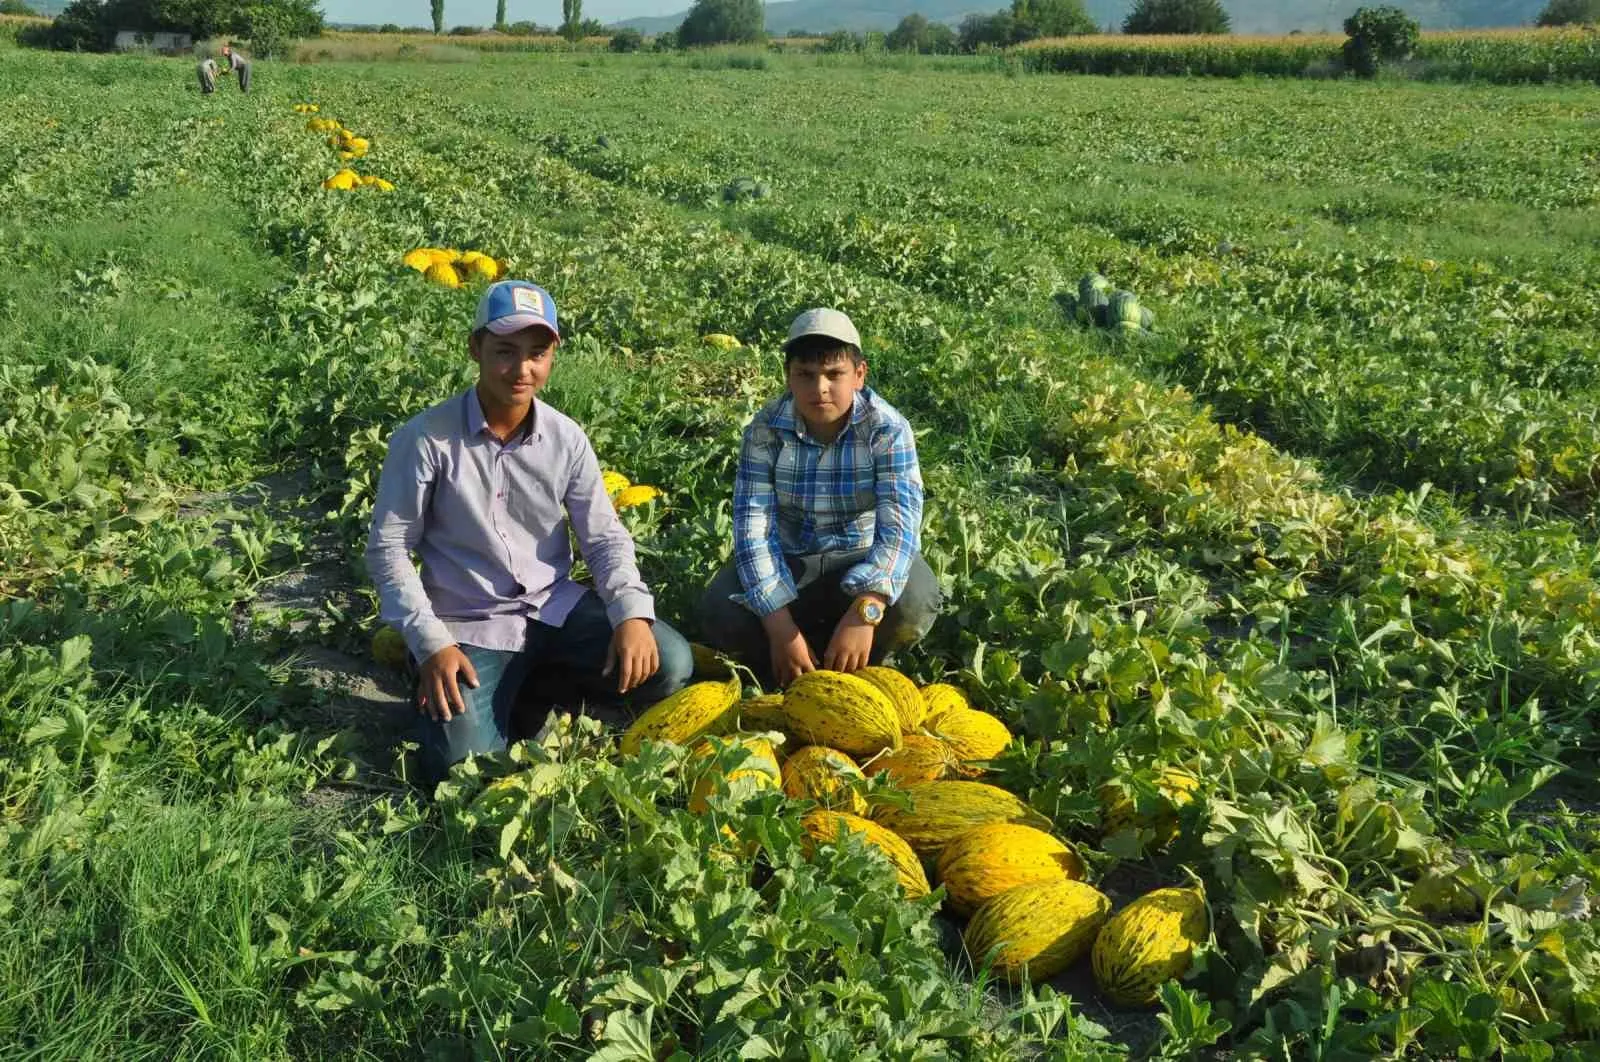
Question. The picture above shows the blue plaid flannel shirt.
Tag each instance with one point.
(794, 495)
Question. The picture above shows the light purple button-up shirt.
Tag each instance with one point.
(490, 521)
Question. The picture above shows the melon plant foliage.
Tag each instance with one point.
(1570, 13)
(1177, 17)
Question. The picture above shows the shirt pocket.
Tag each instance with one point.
(531, 500)
(863, 480)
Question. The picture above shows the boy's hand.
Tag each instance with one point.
(791, 655)
(851, 644)
(437, 691)
(632, 654)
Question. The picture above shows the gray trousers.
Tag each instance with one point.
(737, 631)
(208, 81)
(244, 77)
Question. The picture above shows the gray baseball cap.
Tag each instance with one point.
(823, 322)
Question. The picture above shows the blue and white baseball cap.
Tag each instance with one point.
(512, 305)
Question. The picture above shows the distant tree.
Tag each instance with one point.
(500, 15)
(465, 31)
(572, 19)
(626, 39)
(1570, 13)
(524, 29)
(723, 22)
(916, 34)
(1379, 35)
(798, 32)
(92, 25)
(390, 27)
(1049, 18)
(438, 15)
(996, 30)
(17, 7)
(840, 41)
(908, 35)
(666, 41)
(1176, 16)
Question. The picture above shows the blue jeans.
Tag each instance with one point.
(578, 645)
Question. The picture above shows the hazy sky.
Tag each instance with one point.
(481, 12)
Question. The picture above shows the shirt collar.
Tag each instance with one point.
(785, 418)
(478, 424)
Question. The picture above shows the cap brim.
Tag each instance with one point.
(516, 322)
(792, 340)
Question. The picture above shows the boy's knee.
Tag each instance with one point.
(470, 733)
(917, 607)
(676, 663)
(725, 623)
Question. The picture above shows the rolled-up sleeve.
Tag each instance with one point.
(404, 491)
(605, 544)
(897, 533)
(757, 546)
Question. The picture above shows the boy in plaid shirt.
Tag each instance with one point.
(827, 515)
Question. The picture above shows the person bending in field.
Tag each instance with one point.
(236, 64)
(207, 71)
(827, 515)
(484, 486)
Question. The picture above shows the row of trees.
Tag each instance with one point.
(740, 21)
(573, 25)
(92, 25)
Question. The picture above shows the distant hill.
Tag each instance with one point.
(1249, 16)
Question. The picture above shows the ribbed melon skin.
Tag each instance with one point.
(971, 734)
(763, 712)
(825, 826)
(823, 774)
(707, 663)
(1039, 929)
(940, 698)
(919, 758)
(1119, 811)
(1148, 943)
(760, 768)
(988, 860)
(942, 811)
(901, 691)
(682, 717)
(841, 712)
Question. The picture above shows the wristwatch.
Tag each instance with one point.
(870, 610)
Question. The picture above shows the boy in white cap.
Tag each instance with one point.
(827, 517)
(484, 486)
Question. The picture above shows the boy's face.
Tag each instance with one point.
(512, 369)
(825, 391)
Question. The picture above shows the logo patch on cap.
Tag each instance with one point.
(527, 300)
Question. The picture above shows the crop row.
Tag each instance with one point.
(1359, 683)
(1142, 467)
(1327, 351)
(1520, 57)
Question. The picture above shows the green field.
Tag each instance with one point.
(1325, 537)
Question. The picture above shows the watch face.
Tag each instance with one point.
(871, 611)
